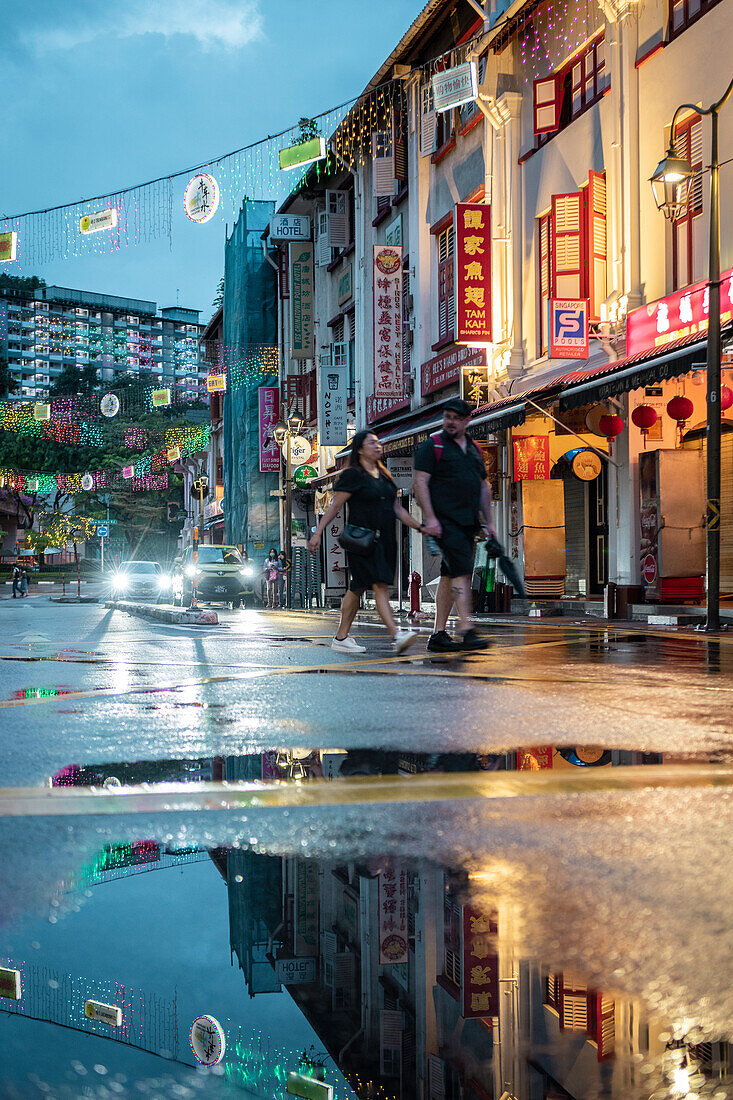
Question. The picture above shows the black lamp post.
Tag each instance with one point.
(671, 184)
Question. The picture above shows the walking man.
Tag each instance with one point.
(452, 489)
(16, 580)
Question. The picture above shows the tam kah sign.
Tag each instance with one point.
(473, 272)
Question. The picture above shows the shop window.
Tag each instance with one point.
(446, 298)
(687, 241)
(582, 1010)
(452, 942)
(560, 98)
(684, 12)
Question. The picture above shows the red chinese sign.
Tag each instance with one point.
(388, 380)
(445, 369)
(473, 272)
(684, 313)
(531, 457)
(377, 407)
(534, 759)
(269, 411)
(480, 965)
(392, 902)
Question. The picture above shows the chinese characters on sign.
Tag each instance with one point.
(393, 914)
(333, 409)
(269, 412)
(569, 329)
(201, 198)
(531, 457)
(475, 385)
(377, 407)
(473, 272)
(534, 759)
(290, 227)
(335, 556)
(455, 86)
(388, 381)
(480, 966)
(301, 300)
(444, 369)
(682, 314)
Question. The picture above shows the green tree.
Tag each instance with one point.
(75, 381)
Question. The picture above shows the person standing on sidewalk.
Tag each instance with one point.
(23, 583)
(367, 485)
(16, 580)
(271, 570)
(452, 489)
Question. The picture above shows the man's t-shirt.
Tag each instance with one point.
(455, 480)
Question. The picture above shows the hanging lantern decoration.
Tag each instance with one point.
(109, 405)
(726, 398)
(610, 426)
(645, 417)
(680, 409)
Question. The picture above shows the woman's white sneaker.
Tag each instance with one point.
(402, 640)
(347, 645)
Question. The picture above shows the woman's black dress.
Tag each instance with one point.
(371, 504)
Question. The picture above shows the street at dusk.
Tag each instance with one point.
(366, 551)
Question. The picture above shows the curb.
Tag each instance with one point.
(74, 599)
(164, 614)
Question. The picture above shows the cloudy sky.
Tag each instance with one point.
(100, 96)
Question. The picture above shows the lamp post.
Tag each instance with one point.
(671, 182)
(283, 434)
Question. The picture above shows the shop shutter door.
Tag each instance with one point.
(575, 536)
(726, 513)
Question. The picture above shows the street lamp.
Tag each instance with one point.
(671, 184)
(283, 433)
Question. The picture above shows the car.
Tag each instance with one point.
(141, 580)
(222, 576)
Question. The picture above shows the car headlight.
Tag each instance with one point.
(120, 582)
(191, 571)
(247, 571)
(164, 582)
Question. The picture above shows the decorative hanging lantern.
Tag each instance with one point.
(726, 398)
(680, 409)
(610, 426)
(645, 417)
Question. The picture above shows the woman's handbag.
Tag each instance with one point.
(357, 540)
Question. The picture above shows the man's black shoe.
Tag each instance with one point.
(442, 643)
(473, 640)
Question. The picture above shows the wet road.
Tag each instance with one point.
(624, 892)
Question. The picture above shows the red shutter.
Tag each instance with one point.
(688, 145)
(547, 97)
(567, 229)
(605, 1026)
(545, 279)
(597, 248)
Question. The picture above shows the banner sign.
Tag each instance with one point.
(269, 412)
(335, 555)
(377, 407)
(301, 300)
(473, 272)
(531, 458)
(388, 380)
(10, 984)
(392, 903)
(445, 369)
(94, 223)
(534, 759)
(480, 966)
(333, 406)
(475, 385)
(568, 329)
(9, 246)
(684, 313)
(216, 383)
(290, 227)
(455, 86)
(346, 284)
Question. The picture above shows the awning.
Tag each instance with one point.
(510, 415)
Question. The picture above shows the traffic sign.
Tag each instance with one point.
(103, 531)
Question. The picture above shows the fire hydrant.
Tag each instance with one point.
(415, 585)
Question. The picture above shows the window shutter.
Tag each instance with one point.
(545, 250)
(399, 145)
(696, 191)
(436, 1078)
(383, 164)
(323, 248)
(427, 121)
(547, 94)
(328, 950)
(573, 1004)
(390, 1042)
(446, 297)
(338, 218)
(605, 1026)
(566, 245)
(342, 994)
(596, 242)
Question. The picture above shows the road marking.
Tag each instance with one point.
(367, 790)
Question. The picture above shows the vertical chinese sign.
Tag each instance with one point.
(306, 907)
(393, 914)
(269, 411)
(301, 300)
(388, 380)
(335, 556)
(480, 965)
(473, 273)
(531, 457)
(333, 407)
(534, 759)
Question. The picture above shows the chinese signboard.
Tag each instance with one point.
(455, 86)
(473, 272)
(301, 300)
(346, 284)
(377, 407)
(335, 556)
(9, 246)
(682, 314)
(201, 198)
(393, 232)
(534, 759)
(393, 914)
(445, 369)
(531, 457)
(94, 223)
(306, 907)
(290, 227)
(475, 383)
(269, 411)
(568, 329)
(480, 966)
(388, 381)
(333, 406)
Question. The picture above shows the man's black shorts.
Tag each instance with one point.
(457, 549)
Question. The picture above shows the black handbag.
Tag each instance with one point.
(357, 540)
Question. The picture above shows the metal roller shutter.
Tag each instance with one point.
(576, 526)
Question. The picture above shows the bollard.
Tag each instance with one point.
(415, 585)
(63, 584)
(78, 579)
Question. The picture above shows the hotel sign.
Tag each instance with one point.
(685, 313)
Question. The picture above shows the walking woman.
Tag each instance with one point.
(367, 486)
(272, 572)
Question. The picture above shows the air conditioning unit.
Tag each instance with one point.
(409, 385)
(409, 303)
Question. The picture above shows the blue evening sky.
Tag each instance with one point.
(99, 96)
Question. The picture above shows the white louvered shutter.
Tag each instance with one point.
(566, 250)
(574, 1004)
(390, 1042)
(428, 127)
(344, 970)
(383, 164)
(328, 950)
(323, 248)
(597, 263)
(436, 1078)
(337, 207)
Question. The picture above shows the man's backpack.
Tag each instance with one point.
(437, 440)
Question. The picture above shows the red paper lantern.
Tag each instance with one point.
(645, 417)
(726, 398)
(611, 426)
(680, 409)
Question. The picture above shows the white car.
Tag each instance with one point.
(141, 580)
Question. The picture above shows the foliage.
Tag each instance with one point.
(25, 284)
(75, 381)
(219, 297)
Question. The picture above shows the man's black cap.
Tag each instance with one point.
(457, 405)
